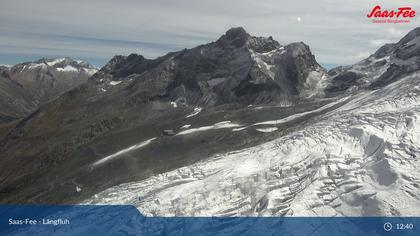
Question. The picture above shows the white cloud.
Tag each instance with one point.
(358, 56)
(376, 43)
(396, 33)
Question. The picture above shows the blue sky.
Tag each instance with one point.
(96, 30)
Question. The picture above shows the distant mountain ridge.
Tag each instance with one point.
(25, 86)
(65, 64)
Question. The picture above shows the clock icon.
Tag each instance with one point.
(387, 226)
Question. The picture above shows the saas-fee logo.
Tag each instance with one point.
(400, 15)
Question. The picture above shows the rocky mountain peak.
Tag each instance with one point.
(236, 69)
(386, 65)
(263, 44)
(239, 37)
(65, 64)
(234, 37)
(120, 67)
(411, 35)
(236, 33)
(407, 47)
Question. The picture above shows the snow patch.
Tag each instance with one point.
(113, 83)
(220, 125)
(36, 65)
(186, 126)
(90, 71)
(274, 51)
(298, 115)
(239, 129)
(78, 189)
(267, 130)
(55, 61)
(123, 151)
(195, 112)
(67, 68)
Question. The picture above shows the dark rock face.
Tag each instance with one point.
(237, 68)
(298, 65)
(24, 87)
(120, 67)
(133, 98)
(344, 81)
(386, 65)
(234, 38)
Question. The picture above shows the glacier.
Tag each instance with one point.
(358, 159)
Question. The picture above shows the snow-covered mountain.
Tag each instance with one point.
(59, 64)
(388, 64)
(358, 156)
(24, 87)
(239, 126)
